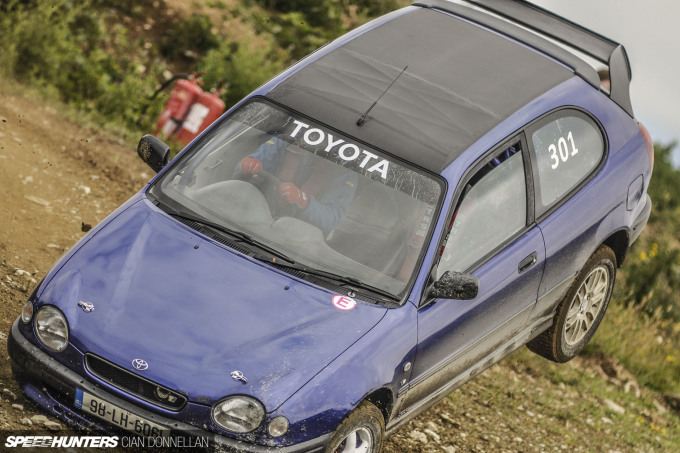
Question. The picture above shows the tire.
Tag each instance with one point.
(362, 431)
(581, 310)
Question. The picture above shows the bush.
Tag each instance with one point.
(193, 34)
(664, 188)
(301, 26)
(242, 65)
(649, 348)
(293, 34)
(373, 8)
(84, 52)
(78, 51)
(319, 13)
(651, 275)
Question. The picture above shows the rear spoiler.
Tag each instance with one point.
(547, 24)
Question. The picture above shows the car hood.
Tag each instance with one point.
(196, 311)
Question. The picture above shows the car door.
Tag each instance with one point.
(493, 237)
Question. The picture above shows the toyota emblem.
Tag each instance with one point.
(86, 306)
(239, 376)
(140, 364)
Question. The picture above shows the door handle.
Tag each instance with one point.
(527, 263)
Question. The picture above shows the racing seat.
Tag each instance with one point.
(370, 232)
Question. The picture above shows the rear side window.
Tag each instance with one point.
(568, 146)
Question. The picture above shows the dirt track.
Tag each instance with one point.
(56, 177)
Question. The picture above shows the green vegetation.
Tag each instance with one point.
(647, 345)
(653, 271)
(302, 26)
(642, 326)
(191, 34)
(75, 50)
(243, 65)
(582, 403)
(105, 57)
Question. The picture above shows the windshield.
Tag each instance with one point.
(316, 196)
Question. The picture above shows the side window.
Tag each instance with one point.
(492, 209)
(568, 146)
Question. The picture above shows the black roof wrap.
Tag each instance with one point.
(461, 81)
(546, 24)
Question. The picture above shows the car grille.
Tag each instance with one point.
(134, 384)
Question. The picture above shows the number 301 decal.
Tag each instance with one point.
(562, 151)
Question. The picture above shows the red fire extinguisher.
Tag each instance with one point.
(206, 109)
(179, 103)
(189, 109)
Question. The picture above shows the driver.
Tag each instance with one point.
(318, 190)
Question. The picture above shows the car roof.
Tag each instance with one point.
(459, 80)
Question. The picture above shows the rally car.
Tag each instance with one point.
(356, 239)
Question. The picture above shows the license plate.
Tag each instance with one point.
(118, 416)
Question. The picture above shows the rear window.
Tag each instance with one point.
(568, 146)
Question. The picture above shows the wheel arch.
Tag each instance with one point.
(383, 399)
(619, 243)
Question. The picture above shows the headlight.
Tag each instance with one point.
(27, 312)
(51, 327)
(238, 414)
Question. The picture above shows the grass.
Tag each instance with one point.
(593, 408)
(648, 346)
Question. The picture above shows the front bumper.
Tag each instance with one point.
(51, 385)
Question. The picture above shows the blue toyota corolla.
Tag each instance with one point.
(356, 239)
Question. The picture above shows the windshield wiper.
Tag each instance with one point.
(341, 279)
(239, 236)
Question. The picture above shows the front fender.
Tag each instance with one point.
(92, 233)
(373, 363)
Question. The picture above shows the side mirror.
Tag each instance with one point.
(154, 152)
(456, 285)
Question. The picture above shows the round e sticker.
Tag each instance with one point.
(344, 302)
